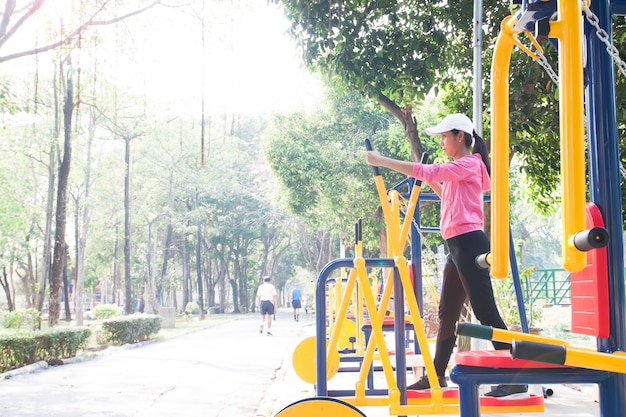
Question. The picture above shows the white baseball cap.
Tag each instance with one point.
(456, 121)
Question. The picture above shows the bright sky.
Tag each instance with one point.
(250, 63)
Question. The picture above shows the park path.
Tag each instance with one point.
(219, 371)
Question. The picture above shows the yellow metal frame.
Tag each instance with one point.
(568, 30)
(376, 349)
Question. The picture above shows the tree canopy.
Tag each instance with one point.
(396, 52)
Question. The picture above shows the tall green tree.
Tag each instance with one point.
(318, 161)
(392, 52)
(395, 52)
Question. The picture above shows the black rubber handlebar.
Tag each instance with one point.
(594, 238)
(540, 352)
(358, 231)
(368, 146)
(376, 170)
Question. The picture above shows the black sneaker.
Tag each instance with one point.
(509, 392)
(261, 329)
(269, 333)
(423, 383)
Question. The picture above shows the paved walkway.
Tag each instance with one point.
(221, 371)
(229, 370)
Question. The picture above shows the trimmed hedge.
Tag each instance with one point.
(17, 318)
(106, 311)
(130, 329)
(22, 349)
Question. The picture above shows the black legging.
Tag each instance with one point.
(461, 278)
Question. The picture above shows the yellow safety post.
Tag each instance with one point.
(568, 30)
(500, 148)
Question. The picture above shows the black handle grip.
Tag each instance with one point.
(368, 146)
(594, 238)
(358, 231)
(539, 352)
(477, 331)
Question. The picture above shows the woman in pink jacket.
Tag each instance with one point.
(459, 184)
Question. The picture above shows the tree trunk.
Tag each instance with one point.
(4, 282)
(47, 243)
(128, 296)
(405, 116)
(28, 279)
(115, 291)
(199, 270)
(58, 258)
(66, 286)
(153, 306)
(233, 287)
(166, 258)
(166, 246)
(82, 232)
(185, 260)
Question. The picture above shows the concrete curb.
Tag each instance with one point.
(267, 406)
(25, 369)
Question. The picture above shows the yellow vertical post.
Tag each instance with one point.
(568, 29)
(500, 149)
(393, 224)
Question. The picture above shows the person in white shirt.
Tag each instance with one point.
(266, 299)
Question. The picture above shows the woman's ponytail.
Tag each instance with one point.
(481, 147)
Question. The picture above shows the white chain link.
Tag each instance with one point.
(610, 48)
(541, 60)
(604, 37)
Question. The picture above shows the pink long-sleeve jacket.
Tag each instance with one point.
(464, 181)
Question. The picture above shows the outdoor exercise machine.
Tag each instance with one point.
(399, 282)
(595, 261)
(587, 103)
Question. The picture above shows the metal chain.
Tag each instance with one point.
(541, 60)
(604, 37)
(610, 48)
